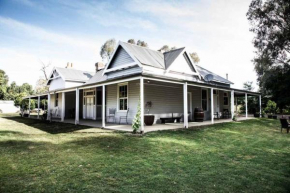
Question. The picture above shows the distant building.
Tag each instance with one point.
(8, 107)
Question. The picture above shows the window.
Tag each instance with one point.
(56, 100)
(226, 99)
(204, 99)
(123, 97)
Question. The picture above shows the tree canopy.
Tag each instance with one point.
(270, 20)
(107, 49)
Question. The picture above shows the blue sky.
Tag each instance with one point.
(72, 31)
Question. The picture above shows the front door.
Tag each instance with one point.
(89, 107)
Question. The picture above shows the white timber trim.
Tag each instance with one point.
(62, 106)
(122, 67)
(103, 106)
(48, 106)
(232, 104)
(211, 105)
(77, 106)
(185, 105)
(38, 104)
(142, 103)
(246, 104)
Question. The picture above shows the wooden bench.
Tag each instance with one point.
(170, 120)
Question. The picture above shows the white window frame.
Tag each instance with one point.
(118, 97)
(227, 95)
(204, 99)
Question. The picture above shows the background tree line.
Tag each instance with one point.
(270, 21)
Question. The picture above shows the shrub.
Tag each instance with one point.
(271, 107)
(136, 124)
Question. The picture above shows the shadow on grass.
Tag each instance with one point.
(49, 127)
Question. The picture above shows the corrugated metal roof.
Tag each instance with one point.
(203, 72)
(75, 75)
(170, 56)
(145, 56)
(98, 77)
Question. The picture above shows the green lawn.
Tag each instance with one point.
(249, 156)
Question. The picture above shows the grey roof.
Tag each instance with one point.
(75, 75)
(157, 59)
(203, 72)
(171, 55)
(144, 55)
(98, 77)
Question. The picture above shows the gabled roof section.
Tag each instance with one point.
(122, 58)
(203, 72)
(69, 74)
(181, 62)
(145, 56)
(170, 56)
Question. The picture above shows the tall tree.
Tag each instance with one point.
(3, 78)
(194, 57)
(142, 43)
(248, 86)
(107, 49)
(164, 48)
(270, 20)
(131, 41)
(41, 86)
(44, 68)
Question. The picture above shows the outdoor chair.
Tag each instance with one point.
(53, 113)
(226, 114)
(284, 125)
(112, 113)
(124, 117)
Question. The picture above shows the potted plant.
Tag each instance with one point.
(148, 118)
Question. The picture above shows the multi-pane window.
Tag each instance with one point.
(123, 97)
(204, 99)
(226, 99)
(56, 100)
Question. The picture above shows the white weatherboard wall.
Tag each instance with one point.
(57, 84)
(166, 99)
(133, 99)
(8, 107)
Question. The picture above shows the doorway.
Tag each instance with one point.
(89, 107)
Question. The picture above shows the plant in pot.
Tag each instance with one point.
(148, 118)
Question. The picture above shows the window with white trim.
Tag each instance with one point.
(204, 99)
(226, 99)
(123, 97)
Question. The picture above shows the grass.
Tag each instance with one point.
(249, 156)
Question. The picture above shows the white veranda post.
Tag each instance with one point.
(185, 110)
(142, 103)
(211, 105)
(77, 106)
(29, 102)
(48, 106)
(232, 104)
(38, 105)
(260, 104)
(246, 104)
(103, 107)
(62, 106)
